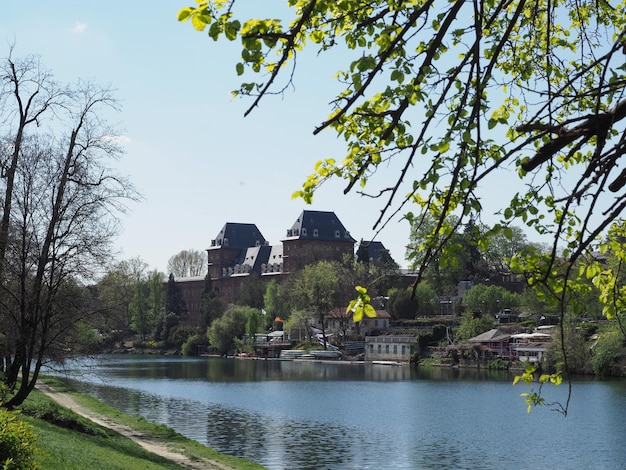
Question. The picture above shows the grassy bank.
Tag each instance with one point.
(69, 441)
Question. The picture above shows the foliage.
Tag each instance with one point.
(41, 407)
(188, 263)
(147, 303)
(610, 279)
(17, 442)
(174, 300)
(533, 397)
(315, 288)
(436, 336)
(276, 300)
(166, 323)
(115, 292)
(231, 325)
(498, 364)
(489, 300)
(298, 321)
(571, 351)
(192, 344)
(472, 325)
(211, 304)
(607, 353)
(401, 304)
(361, 307)
(60, 198)
(459, 97)
(252, 291)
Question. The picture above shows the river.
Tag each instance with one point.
(308, 415)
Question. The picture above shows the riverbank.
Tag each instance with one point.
(108, 427)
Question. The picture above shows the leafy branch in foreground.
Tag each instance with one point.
(459, 97)
(361, 306)
(534, 398)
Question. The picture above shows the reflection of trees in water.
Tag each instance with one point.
(278, 442)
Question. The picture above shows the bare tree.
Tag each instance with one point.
(58, 214)
(188, 263)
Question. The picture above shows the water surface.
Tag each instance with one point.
(306, 415)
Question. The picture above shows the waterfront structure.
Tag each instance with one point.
(397, 348)
(525, 347)
(530, 347)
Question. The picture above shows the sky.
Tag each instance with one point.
(189, 150)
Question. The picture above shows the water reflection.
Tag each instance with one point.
(297, 415)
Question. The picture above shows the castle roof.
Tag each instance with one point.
(238, 236)
(318, 225)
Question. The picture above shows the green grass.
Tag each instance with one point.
(77, 443)
(71, 450)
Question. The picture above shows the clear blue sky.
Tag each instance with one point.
(190, 152)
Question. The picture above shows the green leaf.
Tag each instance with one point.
(370, 311)
(184, 14)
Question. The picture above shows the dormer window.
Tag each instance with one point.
(315, 232)
(303, 232)
(337, 234)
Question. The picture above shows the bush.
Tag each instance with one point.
(498, 364)
(193, 344)
(607, 353)
(17, 442)
(52, 413)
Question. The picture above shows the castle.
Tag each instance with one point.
(239, 250)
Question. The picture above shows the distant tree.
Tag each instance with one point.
(165, 323)
(174, 300)
(140, 322)
(487, 301)
(231, 325)
(472, 324)
(315, 289)
(211, 304)
(410, 304)
(401, 305)
(188, 263)
(276, 300)
(115, 291)
(427, 300)
(502, 248)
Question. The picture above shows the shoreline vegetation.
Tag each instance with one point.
(77, 431)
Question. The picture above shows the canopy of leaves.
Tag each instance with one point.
(455, 95)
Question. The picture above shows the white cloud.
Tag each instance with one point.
(118, 139)
(79, 27)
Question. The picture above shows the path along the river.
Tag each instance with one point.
(150, 443)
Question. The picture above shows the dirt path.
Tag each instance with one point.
(148, 443)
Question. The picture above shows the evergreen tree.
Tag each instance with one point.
(174, 300)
